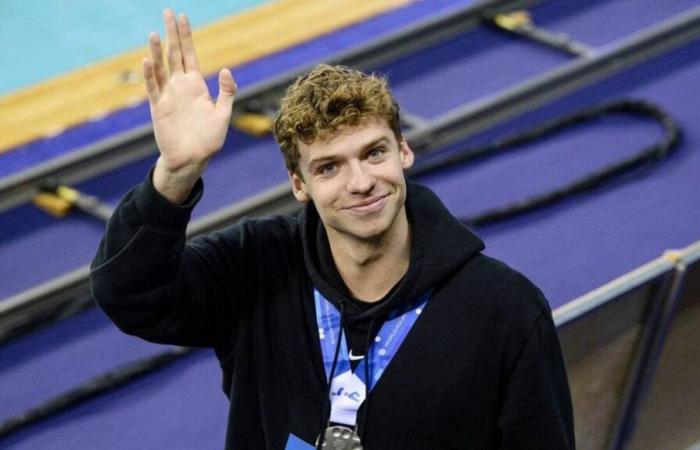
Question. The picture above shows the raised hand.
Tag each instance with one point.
(189, 126)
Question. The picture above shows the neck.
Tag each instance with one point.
(371, 267)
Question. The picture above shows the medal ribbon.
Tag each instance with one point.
(347, 387)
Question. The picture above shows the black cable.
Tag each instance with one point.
(654, 153)
(92, 388)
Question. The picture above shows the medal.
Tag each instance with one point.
(340, 438)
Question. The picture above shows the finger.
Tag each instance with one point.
(174, 52)
(157, 58)
(227, 93)
(189, 56)
(151, 85)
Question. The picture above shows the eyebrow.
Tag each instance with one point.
(331, 158)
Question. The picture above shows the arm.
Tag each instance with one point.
(143, 275)
(154, 286)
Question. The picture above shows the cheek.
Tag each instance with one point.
(395, 175)
(326, 194)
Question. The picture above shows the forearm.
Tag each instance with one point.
(135, 276)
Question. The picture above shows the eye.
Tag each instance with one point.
(375, 153)
(327, 169)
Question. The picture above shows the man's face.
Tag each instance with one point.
(355, 179)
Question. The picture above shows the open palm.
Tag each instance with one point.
(189, 126)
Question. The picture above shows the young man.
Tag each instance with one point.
(371, 319)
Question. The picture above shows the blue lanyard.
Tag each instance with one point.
(347, 387)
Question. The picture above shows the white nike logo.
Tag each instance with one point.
(355, 358)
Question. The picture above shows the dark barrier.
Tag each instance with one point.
(670, 415)
(605, 337)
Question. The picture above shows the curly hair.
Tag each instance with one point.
(326, 99)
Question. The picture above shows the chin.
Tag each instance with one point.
(368, 235)
(369, 230)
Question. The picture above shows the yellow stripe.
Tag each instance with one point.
(89, 93)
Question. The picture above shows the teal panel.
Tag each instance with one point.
(40, 39)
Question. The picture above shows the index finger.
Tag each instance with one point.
(189, 55)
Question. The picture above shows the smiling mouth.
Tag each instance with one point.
(372, 205)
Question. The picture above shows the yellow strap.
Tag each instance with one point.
(513, 20)
(255, 124)
(52, 204)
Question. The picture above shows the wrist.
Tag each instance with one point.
(176, 185)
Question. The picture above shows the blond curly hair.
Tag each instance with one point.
(327, 98)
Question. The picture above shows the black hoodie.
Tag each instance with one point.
(480, 369)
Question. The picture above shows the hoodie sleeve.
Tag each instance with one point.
(537, 411)
(153, 285)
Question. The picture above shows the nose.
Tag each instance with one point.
(361, 179)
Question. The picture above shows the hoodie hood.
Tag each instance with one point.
(440, 244)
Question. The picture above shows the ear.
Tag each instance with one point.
(298, 188)
(406, 154)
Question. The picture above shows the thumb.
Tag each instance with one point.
(227, 92)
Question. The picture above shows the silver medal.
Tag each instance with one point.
(341, 438)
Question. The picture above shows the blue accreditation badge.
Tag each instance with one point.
(349, 388)
(294, 443)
